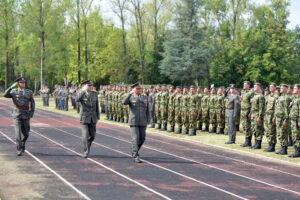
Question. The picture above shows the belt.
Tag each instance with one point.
(22, 107)
(229, 108)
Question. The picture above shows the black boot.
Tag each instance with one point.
(271, 148)
(164, 127)
(126, 121)
(200, 126)
(257, 144)
(283, 150)
(213, 130)
(247, 142)
(178, 131)
(122, 121)
(237, 127)
(221, 131)
(290, 141)
(171, 130)
(186, 131)
(158, 126)
(206, 129)
(296, 154)
(193, 133)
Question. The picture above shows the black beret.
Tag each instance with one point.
(20, 79)
(87, 82)
(185, 87)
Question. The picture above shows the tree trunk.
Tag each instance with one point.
(7, 47)
(78, 41)
(42, 46)
(86, 50)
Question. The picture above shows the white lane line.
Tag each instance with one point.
(197, 143)
(51, 170)
(104, 166)
(211, 166)
(158, 166)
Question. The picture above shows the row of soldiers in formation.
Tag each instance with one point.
(273, 113)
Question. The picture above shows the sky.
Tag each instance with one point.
(294, 9)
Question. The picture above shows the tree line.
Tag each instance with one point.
(153, 41)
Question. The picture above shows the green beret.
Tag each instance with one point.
(284, 85)
(248, 82)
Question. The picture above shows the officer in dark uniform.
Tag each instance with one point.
(139, 117)
(23, 111)
(89, 114)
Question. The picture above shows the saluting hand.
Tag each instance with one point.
(14, 85)
(132, 91)
(84, 88)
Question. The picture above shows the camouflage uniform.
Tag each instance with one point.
(171, 111)
(101, 100)
(269, 126)
(199, 110)
(185, 101)
(282, 115)
(157, 108)
(120, 113)
(125, 109)
(295, 119)
(205, 110)
(178, 112)
(257, 111)
(220, 109)
(193, 113)
(245, 111)
(164, 109)
(212, 103)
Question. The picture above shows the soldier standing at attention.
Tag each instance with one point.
(193, 111)
(178, 111)
(212, 102)
(139, 118)
(101, 98)
(257, 115)
(269, 118)
(291, 96)
(220, 109)
(232, 109)
(199, 109)
(157, 106)
(89, 115)
(125, 107)
(171, 108)
(23, 111)
(295, 121)
(151, 99)
(164, 107)
(282, 119)
(205, 109)
(245, 111)
(106, 103)
(185, 108)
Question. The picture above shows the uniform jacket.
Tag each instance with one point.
(233, 105)
(89, 109)
(24, 103)
(139, 111)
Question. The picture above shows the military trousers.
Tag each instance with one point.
(231, 127)
(178, 119)
(220, 119)
(205, 117)
(186, 119)
(164, 115)
(193, 119)
(138, 136)
(171, 117)
(246, 123)
(213, 118)
(270, 129)
(158, 115)
(152, 120)
(282, 131)
(88, 136)
(257, 129)
(295, 133)
(22, 128)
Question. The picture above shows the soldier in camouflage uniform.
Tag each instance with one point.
(212, 103)
(157, 107)
(199, 109)
(220, 109)
(291, 96)
(120, 113)
(257, 115)
(193, 111)
(66, 99)
(178, 111)
(164, 107)
(245, 111)
(125, 107)
(171, 108)
(185, 109)
(295, 121)
(110, 103)
(282, 119)
(205, 109)
(239, 114)
(151, 100)
(269, 118)
(101, 98)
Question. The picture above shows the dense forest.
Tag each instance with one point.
(153, 41)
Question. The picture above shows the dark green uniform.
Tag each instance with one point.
(171, 110)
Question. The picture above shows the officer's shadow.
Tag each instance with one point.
(165, 160)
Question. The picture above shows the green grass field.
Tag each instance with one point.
(202, 137)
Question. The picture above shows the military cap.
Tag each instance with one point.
(248, 82)
(20, 79)
(284, 85)
(258, 84)
(136, 85)
(232, 86)
(274, 84)
(87, 82)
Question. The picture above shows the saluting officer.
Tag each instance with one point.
(139, 117)
(89, 115)
(23, 111)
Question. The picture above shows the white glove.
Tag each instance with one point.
(84, 88)
(14, 85)
(133, 90)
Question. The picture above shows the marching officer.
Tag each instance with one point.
(23, 111)
(139, 118)
(89, 115)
